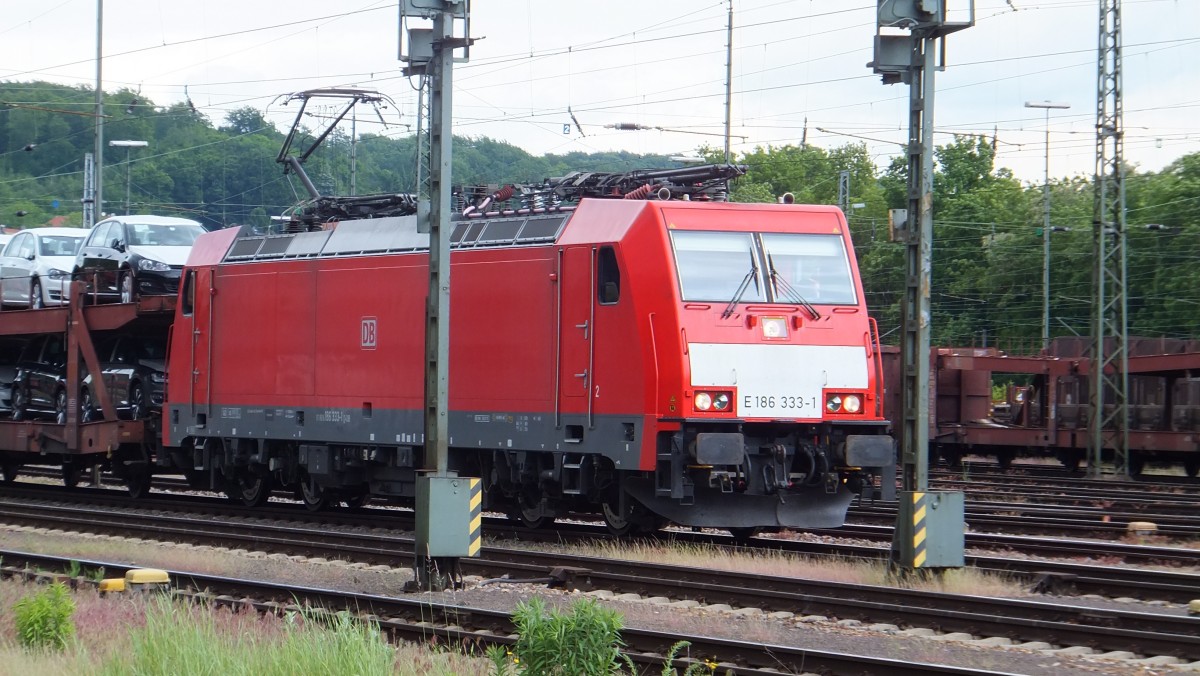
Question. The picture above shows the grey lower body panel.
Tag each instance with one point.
(714, 508)
(615, 436)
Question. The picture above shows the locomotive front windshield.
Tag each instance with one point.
(714, 265)
(773, 267)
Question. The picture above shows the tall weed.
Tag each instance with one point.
(43, 620)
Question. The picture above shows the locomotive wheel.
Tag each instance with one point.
(252, 489)
(1192, 467)
(618, 525)
(637, 519)
(530, 518)
(313, 496)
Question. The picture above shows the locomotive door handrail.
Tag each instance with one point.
(877, 359)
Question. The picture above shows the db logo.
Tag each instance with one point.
(370, 333)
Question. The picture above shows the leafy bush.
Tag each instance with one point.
(44, 619)
(583, 642)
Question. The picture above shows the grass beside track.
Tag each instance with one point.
(131, 634)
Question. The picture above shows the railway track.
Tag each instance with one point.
(1070, 493)
(409, 619)
(1032, 471)
(1027, 519)
(1096, 574)
(1163, 633)
(983, 516)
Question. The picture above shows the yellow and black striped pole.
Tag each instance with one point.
(930, 528)
(918, 533)
(475, 536)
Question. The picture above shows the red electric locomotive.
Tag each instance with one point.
(679, 358)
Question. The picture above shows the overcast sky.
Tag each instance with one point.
(656, 63)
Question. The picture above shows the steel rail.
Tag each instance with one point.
(1077, 577)
(1109, 629)
(425, 620)
(1094, 522)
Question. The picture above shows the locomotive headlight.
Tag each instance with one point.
(774, 327)
(703, 401)
(852, 403)
(721, 402)
(843, 403)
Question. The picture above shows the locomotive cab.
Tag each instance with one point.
(778, 406)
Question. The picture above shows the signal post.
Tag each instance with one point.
(929, 533)
(448, 506)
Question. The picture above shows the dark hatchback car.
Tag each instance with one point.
(128, 256)
(134, 374)
(39, 389)
(10, 355)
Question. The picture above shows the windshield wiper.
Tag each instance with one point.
(741, 290)
(788, 291)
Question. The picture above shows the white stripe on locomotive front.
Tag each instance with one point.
(778, 381)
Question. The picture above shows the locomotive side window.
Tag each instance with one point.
(816, 266)
(713, 265)
(189, 292)
(608, 282)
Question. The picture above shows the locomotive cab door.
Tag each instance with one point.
(576, 327)
(199, 297)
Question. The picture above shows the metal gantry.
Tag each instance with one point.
(1108, 401)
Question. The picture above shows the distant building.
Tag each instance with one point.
(60, 222)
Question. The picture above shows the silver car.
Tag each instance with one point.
(35, 268)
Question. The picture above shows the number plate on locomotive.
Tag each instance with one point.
(752, 405)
